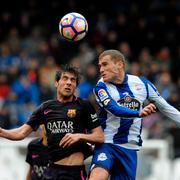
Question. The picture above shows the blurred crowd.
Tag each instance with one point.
(31, 50)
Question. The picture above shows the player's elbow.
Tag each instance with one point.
(23, 132)
(21, 136)
(16, 136)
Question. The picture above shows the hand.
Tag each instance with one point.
(147, 110)
(69, 139)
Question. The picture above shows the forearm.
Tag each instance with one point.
(17, 133)
(95, 137)
(28, 177)
(120, 111)
(11, 134)
(91, 138)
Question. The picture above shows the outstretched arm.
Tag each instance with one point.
(17, 133)
(164, 107)
(105, 101)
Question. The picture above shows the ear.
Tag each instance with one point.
(56, 84)
(120, 64)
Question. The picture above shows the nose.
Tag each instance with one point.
(101, 70)
(68, 81)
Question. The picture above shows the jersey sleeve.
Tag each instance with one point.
(163, 106)
(36, 118)
(109, 104)
(92, 120)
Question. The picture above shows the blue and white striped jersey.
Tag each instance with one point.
(120, 105)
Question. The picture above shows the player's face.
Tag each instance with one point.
(110, 70)
(66, 85)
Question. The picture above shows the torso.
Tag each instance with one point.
(76, 158)
(61, 118)
(131, 93)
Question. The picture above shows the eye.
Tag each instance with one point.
(104, 64)
(64, 78)
(73, 79)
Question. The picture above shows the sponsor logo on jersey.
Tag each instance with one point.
(39, 170)
(34, 156)
(94, 117)
(102, 94)
(127, 98)
(130, 103)
(47, 111)
(71, 113)
(102, 157)
(60, 127)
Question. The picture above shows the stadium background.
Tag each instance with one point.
(31, 50)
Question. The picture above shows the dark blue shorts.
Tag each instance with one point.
(121, 163)
(61, 172)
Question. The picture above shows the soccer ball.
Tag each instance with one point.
(73, 26)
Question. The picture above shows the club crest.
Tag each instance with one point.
(71, 113)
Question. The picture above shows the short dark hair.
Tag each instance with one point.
(70, 69)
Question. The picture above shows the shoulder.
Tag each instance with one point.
(82, 102)
(100, 85)
(134, 78)
(138, 79)
(46, 103)
(100, 82)
(86, 105)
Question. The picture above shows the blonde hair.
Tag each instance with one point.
(115, 55)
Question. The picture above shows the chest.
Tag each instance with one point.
(131, 95)
(60, 112)
(64, 118)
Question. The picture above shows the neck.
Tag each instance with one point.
(65, 99)
(120, 78)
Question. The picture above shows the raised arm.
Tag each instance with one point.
(17, 133)
(106, 101)
(164, 107)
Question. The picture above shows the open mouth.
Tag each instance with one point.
(103, 75)
(67, 89)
